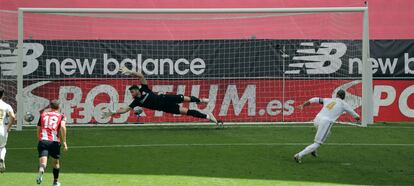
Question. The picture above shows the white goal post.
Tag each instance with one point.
(367, 101)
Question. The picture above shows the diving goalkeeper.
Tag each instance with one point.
(144, 97)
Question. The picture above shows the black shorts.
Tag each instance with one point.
(170, 103)
(49, 148)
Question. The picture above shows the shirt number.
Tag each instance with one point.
(331, 105)
(50, 122)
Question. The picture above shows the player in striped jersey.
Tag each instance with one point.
(50, 123)
(6, 117)
(331, 110)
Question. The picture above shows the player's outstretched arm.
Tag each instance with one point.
(312, 100)
(351, 111)
(123, 110)
(124, 70)
(303, 105)
(109, 113)
(63, 134)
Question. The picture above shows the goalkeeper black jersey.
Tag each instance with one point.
(148, 99)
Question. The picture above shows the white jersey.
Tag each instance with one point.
(4, 110)
(332, 108)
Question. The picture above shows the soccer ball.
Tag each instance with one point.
(29, 117)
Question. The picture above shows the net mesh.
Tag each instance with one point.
(252, 67)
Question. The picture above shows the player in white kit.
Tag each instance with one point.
(331, 110)
(7, 119)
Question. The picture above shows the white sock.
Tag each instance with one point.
(42, 168)
(3, 153)
(312, 147)
(208, 116)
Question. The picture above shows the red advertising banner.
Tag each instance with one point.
(230, 100)
(393, 100)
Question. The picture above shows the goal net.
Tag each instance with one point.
(253, 66)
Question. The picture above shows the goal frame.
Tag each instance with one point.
(367, 86)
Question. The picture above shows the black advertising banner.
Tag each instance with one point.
(243, 79)
(209, 59)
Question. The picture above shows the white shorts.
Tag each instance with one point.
(323, 127)
(3, 136)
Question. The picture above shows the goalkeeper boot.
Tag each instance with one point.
(297, 158)
(211, 117)
(220, 124)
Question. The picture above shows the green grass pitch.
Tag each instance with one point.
(235, 155)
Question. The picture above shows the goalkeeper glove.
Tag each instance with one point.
(106, 114)
(124, 70)
(138, 111)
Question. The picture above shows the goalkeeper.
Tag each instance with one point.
(145, 97)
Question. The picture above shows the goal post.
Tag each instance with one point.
(367, 86)
(269, 77)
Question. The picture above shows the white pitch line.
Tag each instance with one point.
(219, 144)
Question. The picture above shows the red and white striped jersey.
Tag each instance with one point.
(49, 124)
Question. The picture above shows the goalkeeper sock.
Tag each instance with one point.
(195, 99)
(312, 147)
(55, 174)
(196, 114)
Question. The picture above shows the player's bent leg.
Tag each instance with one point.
(42, 167)
(42, 149)
(320, 139)
(297, 158)
(3, 142)
(3, 153)
(314, 153)
(198, 114)
(2, 159)
(173, 98)
(55, 154)
(194, 113)
(56, 170)
(323, 130)
(181, 98)
(309, 149)
(195, 99)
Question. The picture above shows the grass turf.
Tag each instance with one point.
(237, 155)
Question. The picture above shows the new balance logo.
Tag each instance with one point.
(8, 58)
(325, 60)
